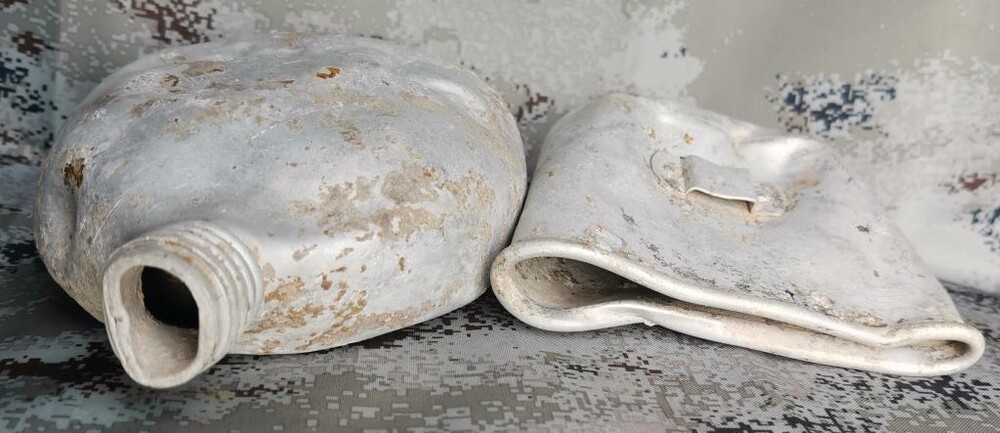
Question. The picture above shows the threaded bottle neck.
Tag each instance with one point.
(210, 267)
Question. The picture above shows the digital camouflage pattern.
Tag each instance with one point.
(907, 92)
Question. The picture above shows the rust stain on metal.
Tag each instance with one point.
(301, 253)
(199, 68)
(140, 109)
(221, 85)
(269, 345)
(170, 80)
(351, 133)
(411, 184)
(337, 213)
(804, 182)
(273, 85)
(289, 317)
(337, 209)
(218, 111)
(284, 314)
(330, 72)
(340, 97)
(287, 290)
(419, 100)
(103, 101)
(462, 188)
(293, 39)
(73, 172)
(347, 320)
(267, 273)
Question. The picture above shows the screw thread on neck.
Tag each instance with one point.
(214, 267)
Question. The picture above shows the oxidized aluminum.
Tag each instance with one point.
(644, 211)
(309, 192)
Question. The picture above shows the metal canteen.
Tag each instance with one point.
(279, 193)
(646, 211)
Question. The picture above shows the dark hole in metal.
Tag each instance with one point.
(168, 299)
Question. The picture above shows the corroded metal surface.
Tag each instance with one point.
(643, 210)
(309, 191)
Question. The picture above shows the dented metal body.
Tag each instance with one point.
(309, 191)
(645, 211)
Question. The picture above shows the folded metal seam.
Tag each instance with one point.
(821, 275)
(799, 329)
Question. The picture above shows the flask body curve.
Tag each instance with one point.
(293, 192)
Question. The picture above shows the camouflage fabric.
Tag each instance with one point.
(908, 93)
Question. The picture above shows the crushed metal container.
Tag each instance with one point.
(646, 211)
(280, 193)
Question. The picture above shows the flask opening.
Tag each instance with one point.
(175, 300)
(168, 299)
(156, 347)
